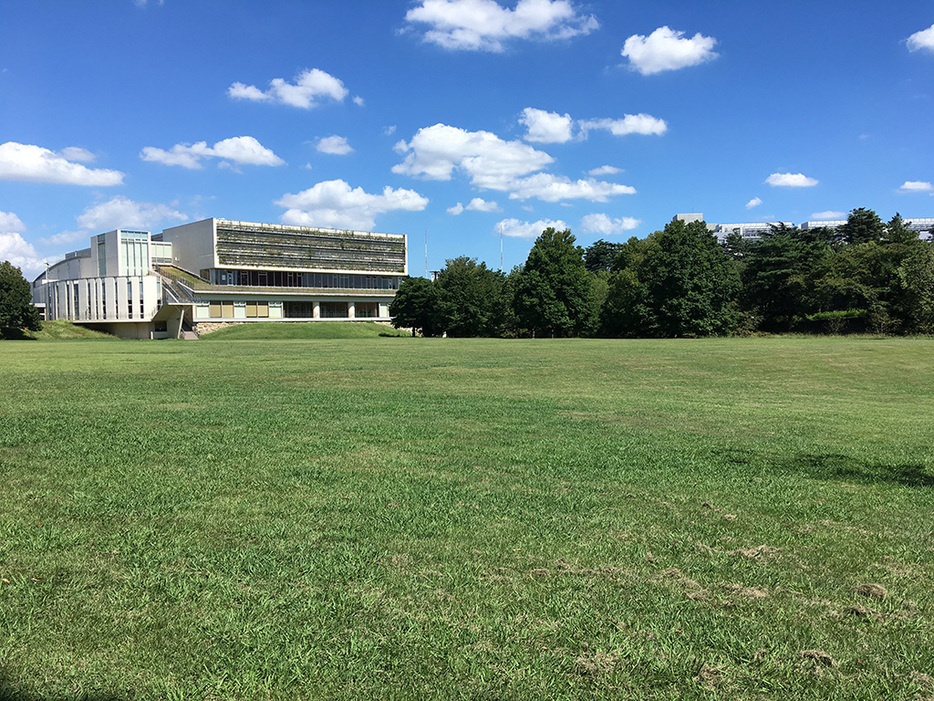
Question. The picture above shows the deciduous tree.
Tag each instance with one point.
(16, 309)
(554, 296)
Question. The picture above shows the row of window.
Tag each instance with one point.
(283, 278)
(223, 309)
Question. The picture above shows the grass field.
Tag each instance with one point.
(440, 518)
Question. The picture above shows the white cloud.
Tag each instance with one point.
(10, 223)
(605, 170)
(434, 153)
(829, 214)
(602, 224)
(484, 25)
(546, 127)
(76, 153)
(923, 40)
(16, 249)
(916, 186)
(666, 50)
(30, 163)
(390, 130)
(239, 150)
(358, 101)
(336, 145)
(332, 203)
(120, 212)
(630, 124)
(477, 204)
(528, 230)
(754, 202)
(790, 180)
(309, 88)
(552, 188)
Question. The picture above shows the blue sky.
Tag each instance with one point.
(459, 118)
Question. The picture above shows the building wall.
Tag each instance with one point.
(193, 244)
(120, 298)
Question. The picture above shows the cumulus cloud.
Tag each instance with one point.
(790, 180)
(336, 145)
(528, 230)
(922, 41)
(754, 202)
(605, 170)
(554, 188)
(546, 127)
(484, 25)
(666, 49)
(916, 186)
(29, 163)
(477, 204)
(16, 249)
(121, 212)
(602, 224)
(435, 152)
(238, 150)
(551, 127)
(630, 124)
(333, 203)
(78, 154)
(829, 214)
(308, 90)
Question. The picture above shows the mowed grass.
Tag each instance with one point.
(277, 330)
(441, 518)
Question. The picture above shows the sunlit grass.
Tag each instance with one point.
(453, 518)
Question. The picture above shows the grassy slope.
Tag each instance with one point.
(451, 518)
(277, 330)
(61, 330)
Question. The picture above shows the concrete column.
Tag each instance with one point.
(316, 310)
(351, 310)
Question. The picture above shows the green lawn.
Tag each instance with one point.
(441, 518)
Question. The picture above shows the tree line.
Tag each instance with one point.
(865, 276)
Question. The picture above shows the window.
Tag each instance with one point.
(257, 310)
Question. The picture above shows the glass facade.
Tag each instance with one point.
(281, 278)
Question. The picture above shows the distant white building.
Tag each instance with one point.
(748, 230)
(196, 276)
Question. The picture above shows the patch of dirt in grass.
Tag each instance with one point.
(595, 663)
(563, 568)
(819, 657)
(709, 675)
(691, 589)
(747, 592)
(760, 552)
(873, 591)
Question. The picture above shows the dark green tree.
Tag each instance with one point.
(554, 296)
(684, 286)
(16, 309)
(469, 299)
(862, 226)
(600, 255)
(415, 306)
(777, 275)
(897, 231)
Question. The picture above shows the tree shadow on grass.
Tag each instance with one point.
(10, 691)
(844, 467)
(833, 466)
(15, 335)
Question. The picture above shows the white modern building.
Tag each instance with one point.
(194, 277)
